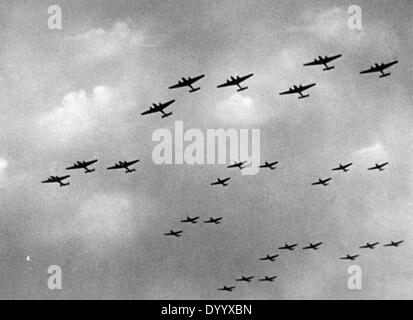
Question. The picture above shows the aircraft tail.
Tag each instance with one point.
(130, 170)
(166, 115)
(194, 89)
(242, 89)
(89, 170)
(64, 184)
(303, 96)
(385, 75)
(328, 68)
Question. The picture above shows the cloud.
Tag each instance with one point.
(238, 109)
(74, 117)
(100, 44)
(373, 152)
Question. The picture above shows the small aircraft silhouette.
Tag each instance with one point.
(245, 279)
(299, 89)
(270, 258)
(124, 165)
(239, 165)
(188, 83)
(269, 279)
(56, 179)
(222, 182)
(190, 220)
(379, 166)
(348, 257)
(394, 244)
(212, 220)
(323, 61)
(235, 81)
(225, 288)
(269, 165)
(159, 108)
(380, 68)
(369, 245)
(83, 165)
(288, 247)
(322, 182)
(342, 167)
(313, 246)
(174, 233)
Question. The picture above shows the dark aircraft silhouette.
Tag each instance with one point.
(190, 220)
(246, 279)
(270, 258)
(124, 165)
(239, 165)
(173, 233)
(342, 167)
(369, 245)
(83, 165)
(313, 246)
(379, 166)
(56, 179)
(380, 68)
(299, 89)
(348, 257)
(288, 247)
(188, 83)
(269, 165)
(322, 182)
(225, 288)
(269, 279)
(236, 82)
(212, 220)
(159, 108)
(394, 244)
(222, 182)
(323, 61)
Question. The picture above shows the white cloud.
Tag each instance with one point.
(99, 43)
(238, 109)
(75, 116)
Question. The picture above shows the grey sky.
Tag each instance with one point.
(77, 94)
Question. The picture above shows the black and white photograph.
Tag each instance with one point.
(177, 150)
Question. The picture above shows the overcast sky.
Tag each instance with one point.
(77, 94)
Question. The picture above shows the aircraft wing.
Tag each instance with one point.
(317, 183)
(314, 63)
(116, 166)
(303, 88)
(88, 163)
(75, 166)
(372, 69)
(131, 162)
(289, 91)
(151, 110)
(241, 79)
(179, 85)
(227, 84)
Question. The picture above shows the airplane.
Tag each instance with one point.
(159, 108)
(321, 181)
(191, 220)
(225, 288)
(394, 244)
(323, 61)
(270, 258)
(239, 165)
(379, 166)
(299, 89)
(380, 68)
(348, 257)
(124, 165)
(269, 279)
(212, 220)
(369, 245)
(342, 167)
(236, 82)
(188, 83)
(269, 165)
(246, 279)
(288, 247)
(56, 179)
(173, 233)
(83, 165)
(223, 182)
(313, 246)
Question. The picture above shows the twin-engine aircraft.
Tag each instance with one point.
(342, 167)
(380, 68)
(269, 165)
(236, 81)
(56, 179)
(221, 182)
(379, 167)
(299, 89)
(188, 83)
(83, 165)
(323, 61)
(159, 108)
(124, 165)
(322, 182)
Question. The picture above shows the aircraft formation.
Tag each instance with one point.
(237, 82)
